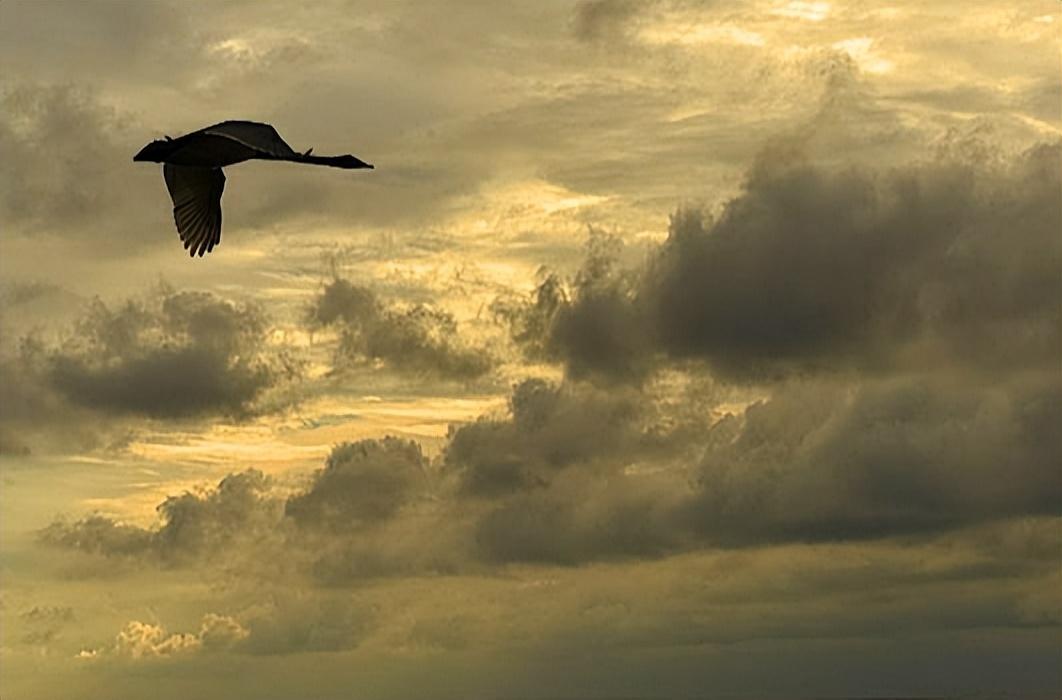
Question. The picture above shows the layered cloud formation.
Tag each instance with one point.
(788, 425)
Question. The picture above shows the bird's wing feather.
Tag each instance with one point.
(261, 137)
(196, 195)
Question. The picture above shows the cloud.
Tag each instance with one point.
(183, 354)
(367, 513)
(576, 473)
(819, 268)
(141, 641)
(290, 624)
(300, 624)
(418, 340)
(592, 323)
(167, 354)
(196, 526)
(549, 429)
(829, 461)
(30, 408)
(362, 484)
(813, 269)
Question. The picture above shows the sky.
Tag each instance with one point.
(673, 349)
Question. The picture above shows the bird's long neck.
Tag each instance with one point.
(346, 162)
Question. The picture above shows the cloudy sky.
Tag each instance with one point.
(673, 349)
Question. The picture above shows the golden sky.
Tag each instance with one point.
(672, 349)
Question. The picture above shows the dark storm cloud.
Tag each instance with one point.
(816, 268)
(580, 519)
(576, 474)
(551, 428)
(820, 460)
(592, 322)
(183, 354)
(380, 508)
(829, 461)
(168, 354)
(361, 484)
(419, 340)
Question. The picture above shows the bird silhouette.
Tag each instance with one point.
(191, 166)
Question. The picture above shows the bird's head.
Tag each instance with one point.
(155, 152)
(352, 163)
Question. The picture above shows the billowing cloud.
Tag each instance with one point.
(804, 438)
(419, 340)
(814, 268)
(168, 355)
(577, 473)
(549, 429)
(186, 353)
(592, 323)
(828, 461)
(819, 269)
(239, 512)
(139, 641)
(361, 484)
(290, 624)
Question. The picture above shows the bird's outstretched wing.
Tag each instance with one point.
(263, 138)
(196, 195)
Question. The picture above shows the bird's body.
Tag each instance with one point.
(192, 169)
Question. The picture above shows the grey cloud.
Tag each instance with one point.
(579, 473)
(580, 519)
(308, 624)
(819, 268)
(30, 409)
(195, 525)
(592, 323)
(288, 624)
(182, 354)
(813, 269)
(550, 429)
(168, 354)
(820, 460)
(336, 528)
(100, 535)
(828, 461)
(419, 340)
(361, 484)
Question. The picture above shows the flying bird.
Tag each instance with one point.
(191, 166)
